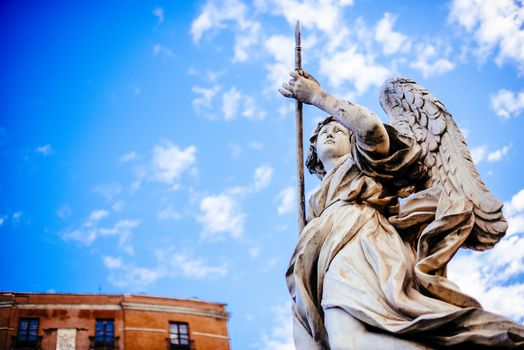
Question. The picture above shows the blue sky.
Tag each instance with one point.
(145, 147)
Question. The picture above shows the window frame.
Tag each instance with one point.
(176, 339)
(28, 338)
(104, 340)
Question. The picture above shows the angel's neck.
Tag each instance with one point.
(331, 162)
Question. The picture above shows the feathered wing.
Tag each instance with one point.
(415, 112)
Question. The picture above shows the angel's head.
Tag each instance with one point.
(330, 141)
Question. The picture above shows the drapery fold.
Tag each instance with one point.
(387, 271)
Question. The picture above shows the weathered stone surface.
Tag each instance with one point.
(368, 271)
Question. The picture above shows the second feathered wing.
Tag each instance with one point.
(417, 113)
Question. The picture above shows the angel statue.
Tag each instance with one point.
(369, 270)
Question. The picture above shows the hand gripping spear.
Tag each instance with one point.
(300, 150)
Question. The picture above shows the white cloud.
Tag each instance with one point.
(2, 220)
(428, 62)
(220, 215)
(354, 67)
(215, 14)
(134, 277)
(478, 154)
(90, 230)
(203, 103)
(235, 149)
(392, 42)
(169, 213)
(514, 211)
(280, 337)
(233, 100)
(287, 200)
(159, 13)
(262, 177)
(322, 15)
(118, 205)
(516, 204)
(159, 49)
(481, 153)
(169, 263)
(495, 25)
(16, 216)
(248, 37)
(256, 145)
(485, 276)
(230, 101)
(64, 211)
(129, 156)
(186, 266)
(498, 154)
(507, 104)
(108, 190)
(279, 47)
(96, 215)
(494, 277)
(170, 162)
(46, 150)
(254, 252)
(112, 263)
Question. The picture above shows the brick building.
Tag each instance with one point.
(102, 321)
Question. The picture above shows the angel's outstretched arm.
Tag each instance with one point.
(371, 133)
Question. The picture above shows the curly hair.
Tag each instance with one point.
(313, 163)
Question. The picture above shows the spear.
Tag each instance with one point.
(300, 150)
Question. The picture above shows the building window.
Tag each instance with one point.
(105, 334)
(27, 336)
(28, 330)
(179, 335)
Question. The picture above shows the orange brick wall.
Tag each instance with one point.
(137, 329)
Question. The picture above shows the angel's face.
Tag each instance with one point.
(332, 142)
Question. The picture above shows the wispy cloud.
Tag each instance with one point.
(286, 198)
(494, 277)
(220, 216)
(159, 13)
(352, 66)
(159, 49)
(481, 153)
(496, 26)
(169, 213)
(392, 42)
(91, 229)
(170, 263)
(64, 211)
(128, 157)
(45, 150)
(514, 210)
(429, 62)
(280, 336)
(216, 15)
(169, 162)
(108, 190)
(262, 177)
(203, 103)
(507, 104)
(231, 100)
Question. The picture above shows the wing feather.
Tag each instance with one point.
(416, 113)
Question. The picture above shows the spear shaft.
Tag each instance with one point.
(300, 150)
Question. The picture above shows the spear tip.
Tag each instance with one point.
(298, 34)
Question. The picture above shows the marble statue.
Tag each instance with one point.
(369, 270)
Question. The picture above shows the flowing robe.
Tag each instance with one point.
(383, 265)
